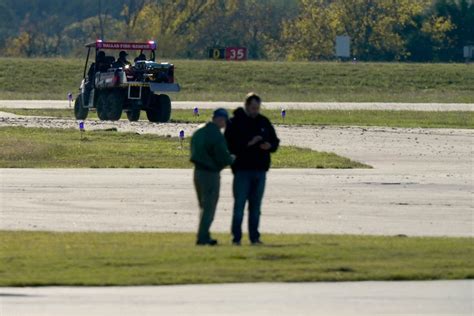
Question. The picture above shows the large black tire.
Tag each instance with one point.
(133, 115)
(102, 100)
(80, 112)
(110, 105)
(160, 110)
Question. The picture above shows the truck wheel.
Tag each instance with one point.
(101, 106)
(110, 105)
(160, 108)
(133, 115)
(80, 112)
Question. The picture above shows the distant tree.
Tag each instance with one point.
(461, 15)
(131, 11)
(174, 24)
(7, 19)
(76, 35)
(375, 27)
(419, 30)
(257, 24)
(310, 35)
(428, 38)
(39, 36)
(101, 16)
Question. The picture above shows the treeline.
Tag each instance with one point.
(413, 30)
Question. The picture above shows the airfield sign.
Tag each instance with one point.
(229, 53)
(343, 46)
(468, 52)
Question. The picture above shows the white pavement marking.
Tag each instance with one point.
(61, 104)
(331, 299)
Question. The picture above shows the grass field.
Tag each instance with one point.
(45, 258)
(423, 119)
(205, 80)
(61, 148)
(355, 118)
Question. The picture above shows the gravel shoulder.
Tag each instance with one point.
(62, 104)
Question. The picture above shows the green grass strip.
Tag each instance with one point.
(45, 258)
(63, 148)
(204, 80)
(408, 119)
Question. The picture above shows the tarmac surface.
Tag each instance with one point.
(58, 104)
(330, 299)
(296, 201)
(421, 184)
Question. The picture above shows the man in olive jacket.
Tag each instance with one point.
(210, 155)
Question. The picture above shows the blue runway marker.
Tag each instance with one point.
(181, 138)
(82, 129)
(69, 97)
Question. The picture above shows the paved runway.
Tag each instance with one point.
(297, 201)
(329, 299)
(58, 104)
(421, 185)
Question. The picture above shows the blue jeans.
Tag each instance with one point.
(248, 185)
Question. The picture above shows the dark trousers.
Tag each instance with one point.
(207, 184)
(249, 185)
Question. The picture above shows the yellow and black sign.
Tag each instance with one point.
(217, 53)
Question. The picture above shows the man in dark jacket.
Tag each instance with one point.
(210, 155)
(122, 60)
(251, 138)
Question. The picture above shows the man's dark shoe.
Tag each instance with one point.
(236, 243)
(256, 243)
(210, 242)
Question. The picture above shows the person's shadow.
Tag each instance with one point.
(16, 295)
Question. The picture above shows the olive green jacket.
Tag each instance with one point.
(209, 149)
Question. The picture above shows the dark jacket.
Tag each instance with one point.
(240, 131)
(209, 149)
(121, 63)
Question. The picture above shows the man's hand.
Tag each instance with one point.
(265, 146)
(254, 140)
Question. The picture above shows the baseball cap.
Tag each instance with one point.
(220, 112)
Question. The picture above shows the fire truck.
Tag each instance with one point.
(112, 87)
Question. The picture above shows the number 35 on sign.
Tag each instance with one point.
(236, 53)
